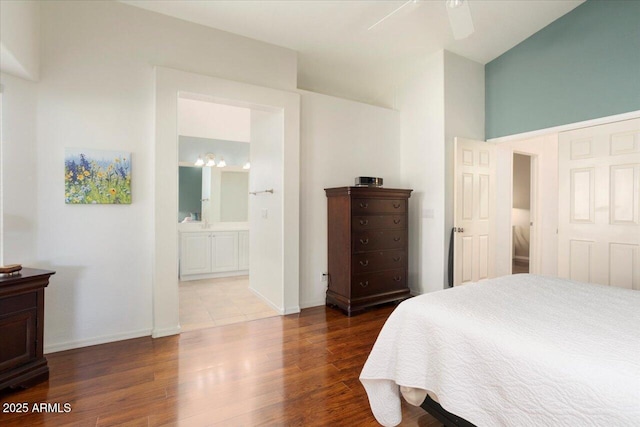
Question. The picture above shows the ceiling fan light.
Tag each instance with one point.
(452, 4)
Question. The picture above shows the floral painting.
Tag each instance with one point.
(97, 177)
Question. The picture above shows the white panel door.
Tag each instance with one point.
(474, 206)
(599, 210)
(224, 251)
(195, 253)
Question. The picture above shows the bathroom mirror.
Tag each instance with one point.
(211, 193)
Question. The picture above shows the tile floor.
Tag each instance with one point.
(216, 302)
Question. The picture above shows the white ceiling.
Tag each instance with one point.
(337, 55)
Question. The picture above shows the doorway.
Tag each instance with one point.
(521, 214)
(214, 158)
(282, 205)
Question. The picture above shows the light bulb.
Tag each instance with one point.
(199, 162)
(246, 166)
(222, 163)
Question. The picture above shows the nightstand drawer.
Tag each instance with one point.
(378, 206)
(371, 222)
(378, 239)
(378, 283)
(378, 261)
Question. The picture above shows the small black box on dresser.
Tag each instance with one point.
(367, 246)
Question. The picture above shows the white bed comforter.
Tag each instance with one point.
(514, 351)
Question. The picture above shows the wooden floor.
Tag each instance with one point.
(297, 370)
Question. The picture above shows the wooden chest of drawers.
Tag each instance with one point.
(367, 245)
(22, 360)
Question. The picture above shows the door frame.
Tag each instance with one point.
(169, 83)
(534, 238)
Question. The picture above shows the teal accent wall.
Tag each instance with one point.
(582, 66)
(190, 191)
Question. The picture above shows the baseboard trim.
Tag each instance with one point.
(280, 310)
(69, 345)
(222, 274)
(312, 303)
(165, 332)
(291, 310)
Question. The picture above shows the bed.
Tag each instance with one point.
(518, 350)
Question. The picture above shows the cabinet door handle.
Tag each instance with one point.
(364, 241)
(397, 278)
(396, 259)
(396, 205)
(396, 239)
(364, 205)
(364, 284)
(364, 263)
(396, 221)
(364, 222)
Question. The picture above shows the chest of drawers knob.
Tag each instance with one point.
(364, 205)
(396, 239)
(396, 259)
(397, 278)
(397, 205)
(364, 284)
(364, 241)
(364, 263)
(396, 221)
(364, 222)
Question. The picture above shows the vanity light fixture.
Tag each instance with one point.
(222, 163)
(206, 160)
(247, 166)
(453, 4)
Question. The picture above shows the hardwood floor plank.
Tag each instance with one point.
(297, 370)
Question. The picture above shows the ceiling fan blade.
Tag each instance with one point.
(460, 20)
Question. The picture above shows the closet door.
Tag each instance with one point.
(599, 204)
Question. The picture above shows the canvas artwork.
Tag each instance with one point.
(97, 176)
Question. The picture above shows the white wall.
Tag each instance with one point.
(213, 121)
(20, 38)
(521, 181)
(19, 169)
(544, 211)
(340, 140)
(265, 242)
(421, 105)
(97, 91)
(463, 117)
(442, 100)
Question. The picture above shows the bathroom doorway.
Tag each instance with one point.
(214, 161)
(521, 209)
(274, 230)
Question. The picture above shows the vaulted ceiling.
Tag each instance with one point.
(339, 55)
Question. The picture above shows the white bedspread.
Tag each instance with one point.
(514, 351)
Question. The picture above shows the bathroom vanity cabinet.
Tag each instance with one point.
(210, 254)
